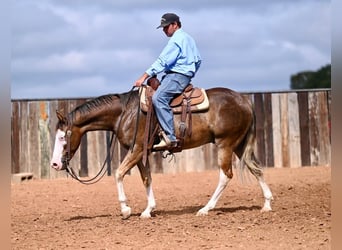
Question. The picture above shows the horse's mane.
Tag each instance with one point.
(99, 102)
(90, 105)
(127, 97)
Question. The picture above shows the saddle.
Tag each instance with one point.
(196, 98)
(192, 99)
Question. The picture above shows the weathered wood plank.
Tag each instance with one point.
(84, 171)
(260, 128)
(210, 156)
(24, 139)
(102, 150)
(285, 129)
(44, 139)
(96, 151)
(34, 146)
(156, 163)
(15, 138)
(329, 113)
(314, 132)
(108, 161)
(302, 98)
(63, 106)
(268, 130)
(324, 134)
(180, 164)
(92, 152)
(114, 148)
(277, 134)
(294, 135)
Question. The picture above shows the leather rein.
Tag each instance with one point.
(103, 170)
(72, 173)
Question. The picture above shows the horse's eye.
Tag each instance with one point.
(61, 136)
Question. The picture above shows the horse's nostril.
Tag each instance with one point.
(54, 164)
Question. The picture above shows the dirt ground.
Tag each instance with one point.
(63, 214)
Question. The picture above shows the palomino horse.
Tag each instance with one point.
(229, 123)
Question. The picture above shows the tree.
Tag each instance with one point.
(312, 79)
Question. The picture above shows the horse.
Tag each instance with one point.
(229, 123)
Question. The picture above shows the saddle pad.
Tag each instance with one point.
(145, 92)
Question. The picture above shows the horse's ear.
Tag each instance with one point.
(60, 116)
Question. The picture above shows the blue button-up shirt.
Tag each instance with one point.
(179, 55)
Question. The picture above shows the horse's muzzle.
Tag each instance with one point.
(60, 166)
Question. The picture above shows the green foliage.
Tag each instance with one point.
(312, 79)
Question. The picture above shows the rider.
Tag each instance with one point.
(179, 60)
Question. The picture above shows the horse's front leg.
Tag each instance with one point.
(145, 173)
(125, 210)
(129, 161)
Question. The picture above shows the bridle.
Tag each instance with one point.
(67, 158)
(103, 170)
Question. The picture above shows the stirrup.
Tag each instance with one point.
(164, 137)
(162, 144)
(165, 143)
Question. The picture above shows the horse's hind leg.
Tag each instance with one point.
(259, 175)
(267, 194)
(145, 173)
(245, 152)
(226, 174)
(252, 165)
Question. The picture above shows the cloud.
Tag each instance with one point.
(106, 45)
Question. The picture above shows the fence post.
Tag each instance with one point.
(84, 156)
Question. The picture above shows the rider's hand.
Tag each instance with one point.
(141, 80)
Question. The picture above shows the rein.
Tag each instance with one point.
(102, 171)
(109, 156)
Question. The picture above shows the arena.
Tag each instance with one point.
(63, 214)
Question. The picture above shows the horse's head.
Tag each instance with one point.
(65, 143)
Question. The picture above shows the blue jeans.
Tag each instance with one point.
(171, 85)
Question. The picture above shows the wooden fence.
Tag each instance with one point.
(293, 130)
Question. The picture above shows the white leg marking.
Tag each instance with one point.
(267, 194)
(125, 210)
(151, 203)
(223, 181)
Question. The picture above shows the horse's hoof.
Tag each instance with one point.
(267, 205)
(145, 215)
(265, 209)
(202, 212)
(126, 213)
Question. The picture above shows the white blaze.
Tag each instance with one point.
(60, 141)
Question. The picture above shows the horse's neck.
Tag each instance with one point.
(103, 118)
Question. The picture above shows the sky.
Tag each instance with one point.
(87, 48)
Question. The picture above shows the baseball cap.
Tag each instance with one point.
(167, 19)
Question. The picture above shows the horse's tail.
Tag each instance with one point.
(248, 158)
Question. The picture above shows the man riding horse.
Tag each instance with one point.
(180, 60)
(229, 123)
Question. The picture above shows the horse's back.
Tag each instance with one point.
(226, 121)
(228, 99)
